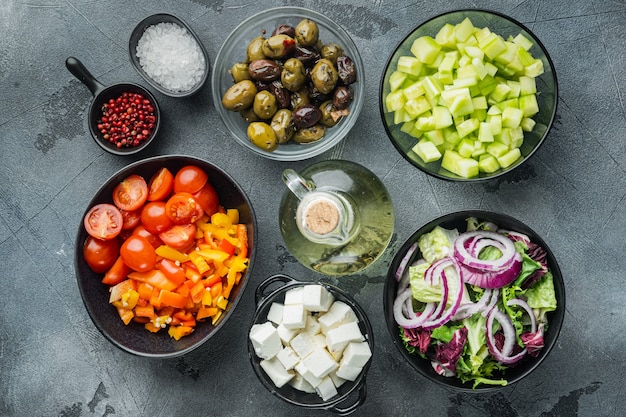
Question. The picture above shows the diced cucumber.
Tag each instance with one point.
(467, 127)
(417, 106)
(427, 151)
(528, 124)
(464, 30)
(442, 116)
(434, 136)
(425, 49)
(465, 148)
(512, 117)
(497, 149)
(395, 100)
(463, 167)
(409, 65)
(529, 106)
(484, 132)
(413, 90)
(396, 79)
(488, 163)
(509, 157)
(446, 37)
(523, 42)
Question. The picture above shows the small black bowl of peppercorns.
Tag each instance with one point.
(124, 118)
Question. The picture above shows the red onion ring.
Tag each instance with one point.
(442, 315)
(523, 304)
(413, 320)
(405, 260)
(503, 356)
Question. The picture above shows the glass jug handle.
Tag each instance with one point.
(298, 185)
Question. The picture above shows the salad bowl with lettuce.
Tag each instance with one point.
(474, 300)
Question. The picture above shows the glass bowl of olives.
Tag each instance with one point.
(288, 83)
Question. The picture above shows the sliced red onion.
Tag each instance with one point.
(517, 235)
(462, 254)
(504, 355)
(413, 320)
(469, 309)
(492, 303)
(523, 304)
(405, 261)
(438, 270)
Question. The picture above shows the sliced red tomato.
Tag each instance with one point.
(154, 239)
(182, 208)
(100, 254)
(104, 221)
(208, 199)
(190, 179)
(180, 236)
(138, 254)
(161, 185)
(117, 273)
(131, 219)
(131, 193)
(154, 217)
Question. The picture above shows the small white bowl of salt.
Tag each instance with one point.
(168, 54)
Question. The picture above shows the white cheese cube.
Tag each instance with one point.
(301, 384)
(286, 334)
(293, 296)
(348, 372)
(302, 344)
(265, 340)
(320, 363)
(307, 374)
(320, 340)
(339, 337)
(326, 389)
(339, 313)
(337, 380)
(276, 371)
(288, 357)
(356, 354)
(316, 297)
(312, 326)
(294, 316)
(275, 313)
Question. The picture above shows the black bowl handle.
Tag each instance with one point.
(352, 408)
(260, 294)
(82, 73)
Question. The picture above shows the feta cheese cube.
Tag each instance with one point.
(294, 316)
(286, 334)
(356, 354)
(301, 384)
(316, 297)
(265, 340)
(348, 372)
(339, 313)
(340, 336)
(288, 357)
(275, 313)
(326, 389)
(320, 363)
(276, 371)
(308, 376)
(338, 381)
(302, 344)
(293, 296)
(312, 326)
(320, 340)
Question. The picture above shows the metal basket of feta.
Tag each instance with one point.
(310, 344)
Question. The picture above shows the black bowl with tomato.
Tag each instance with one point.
(150, 204)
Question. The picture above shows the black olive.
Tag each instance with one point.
(306, 116)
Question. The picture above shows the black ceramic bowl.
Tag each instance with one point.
(547, 90)
(132, 49)
(351, 394)
(134, 338)
(101, 95)
(458, 220)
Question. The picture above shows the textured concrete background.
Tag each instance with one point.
(54, 362)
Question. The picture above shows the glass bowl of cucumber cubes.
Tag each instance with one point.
(468, 95)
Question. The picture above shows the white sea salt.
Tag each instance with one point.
(171, 56)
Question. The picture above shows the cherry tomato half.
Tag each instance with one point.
(182, 208)
(190, 179)
(161, 185)
(180, 236)
(131, 193)
(138, 254)
(100, 254)
(103, 221)
(154, 239)
(117, 273)
(208, 199)
(172, 271)
(131, 219)
(154, 217)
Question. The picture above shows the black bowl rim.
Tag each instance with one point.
(104, 94)
(132, 49)
(358, 384)
(473, 10)
(557, 316)
(78, 244)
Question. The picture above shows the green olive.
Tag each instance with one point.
(249, 115)
(282, 123)
(310, 134)
(327, 108)
(239, 72)
(255, 49)
(300, 98)
(324, 76)
(293, 74)
(331, 51)
(265, 104)
(262, 136)
(307, 32)
(240, 96)
(278, 46)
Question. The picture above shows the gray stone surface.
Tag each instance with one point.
(54, 362)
